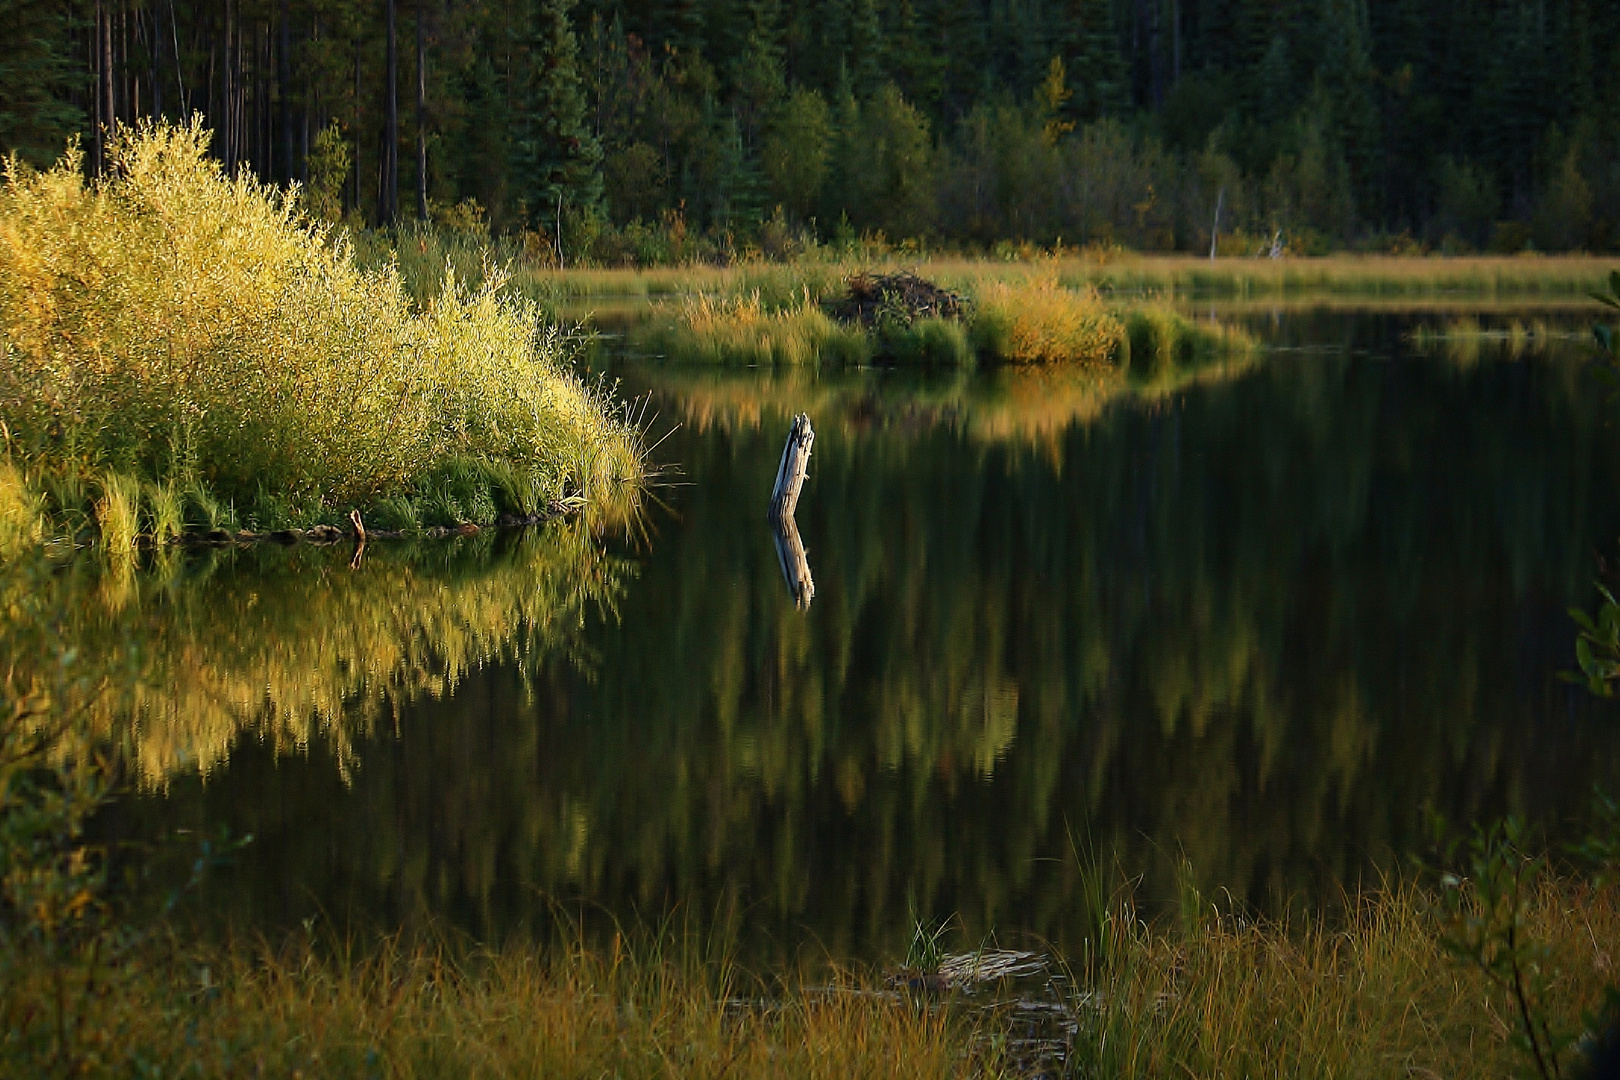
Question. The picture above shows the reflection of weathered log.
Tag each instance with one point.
(791, 472)
(795, 563)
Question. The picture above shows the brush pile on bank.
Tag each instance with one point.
(181, 345)
(904, 296)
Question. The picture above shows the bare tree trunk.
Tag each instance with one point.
(228, 110)
(284, 92)
(421, 113)
(109, 103)
(354, 202)
(157, 60)
(98, 113)
(389, 196)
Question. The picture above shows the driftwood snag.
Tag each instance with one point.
(794, 467)
(790, 474)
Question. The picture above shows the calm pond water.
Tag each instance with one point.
(1254, 620)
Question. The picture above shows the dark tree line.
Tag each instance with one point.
(626, 127)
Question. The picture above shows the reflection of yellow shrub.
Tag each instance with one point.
(181, 657)
(1040, 321)
(20, 521)
(171, 322)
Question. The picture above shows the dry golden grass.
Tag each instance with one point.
(1373, 995)
(1376, 996)
(1364, 276)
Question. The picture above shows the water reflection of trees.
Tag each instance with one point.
(1257, 625)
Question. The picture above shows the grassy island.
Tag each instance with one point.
(183, 350)
(1030, 319)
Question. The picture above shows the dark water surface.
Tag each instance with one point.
(1255, 620)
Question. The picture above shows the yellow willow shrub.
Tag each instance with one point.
(1040, 321)
(170, 319)
(180, 657)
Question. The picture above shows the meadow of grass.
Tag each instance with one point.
(1112, 273)
(182, 348)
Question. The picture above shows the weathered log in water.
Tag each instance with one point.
(790, 474)
(795, 562)
(794, 467)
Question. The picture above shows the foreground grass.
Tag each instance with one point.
(182, 349)
(1210, 996)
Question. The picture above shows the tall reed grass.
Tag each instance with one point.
(170, 325)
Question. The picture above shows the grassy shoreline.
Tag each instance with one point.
(1209, 995)
(1124, 275)
(184, 351)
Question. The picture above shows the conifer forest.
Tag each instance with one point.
(624, 128)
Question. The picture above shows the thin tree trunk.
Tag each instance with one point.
(284, 92)
(157, 60)
(97, 152)
(421, 114)
(390, 164)
(354, 202)
(109, 104)
(228, 109)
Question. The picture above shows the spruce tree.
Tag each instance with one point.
(1095, 66)
(558, 164)
(36, 75)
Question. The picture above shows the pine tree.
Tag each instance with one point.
(1094, 65)
(36, 75)
(757, 77)
(865, 47)
(558, 159)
